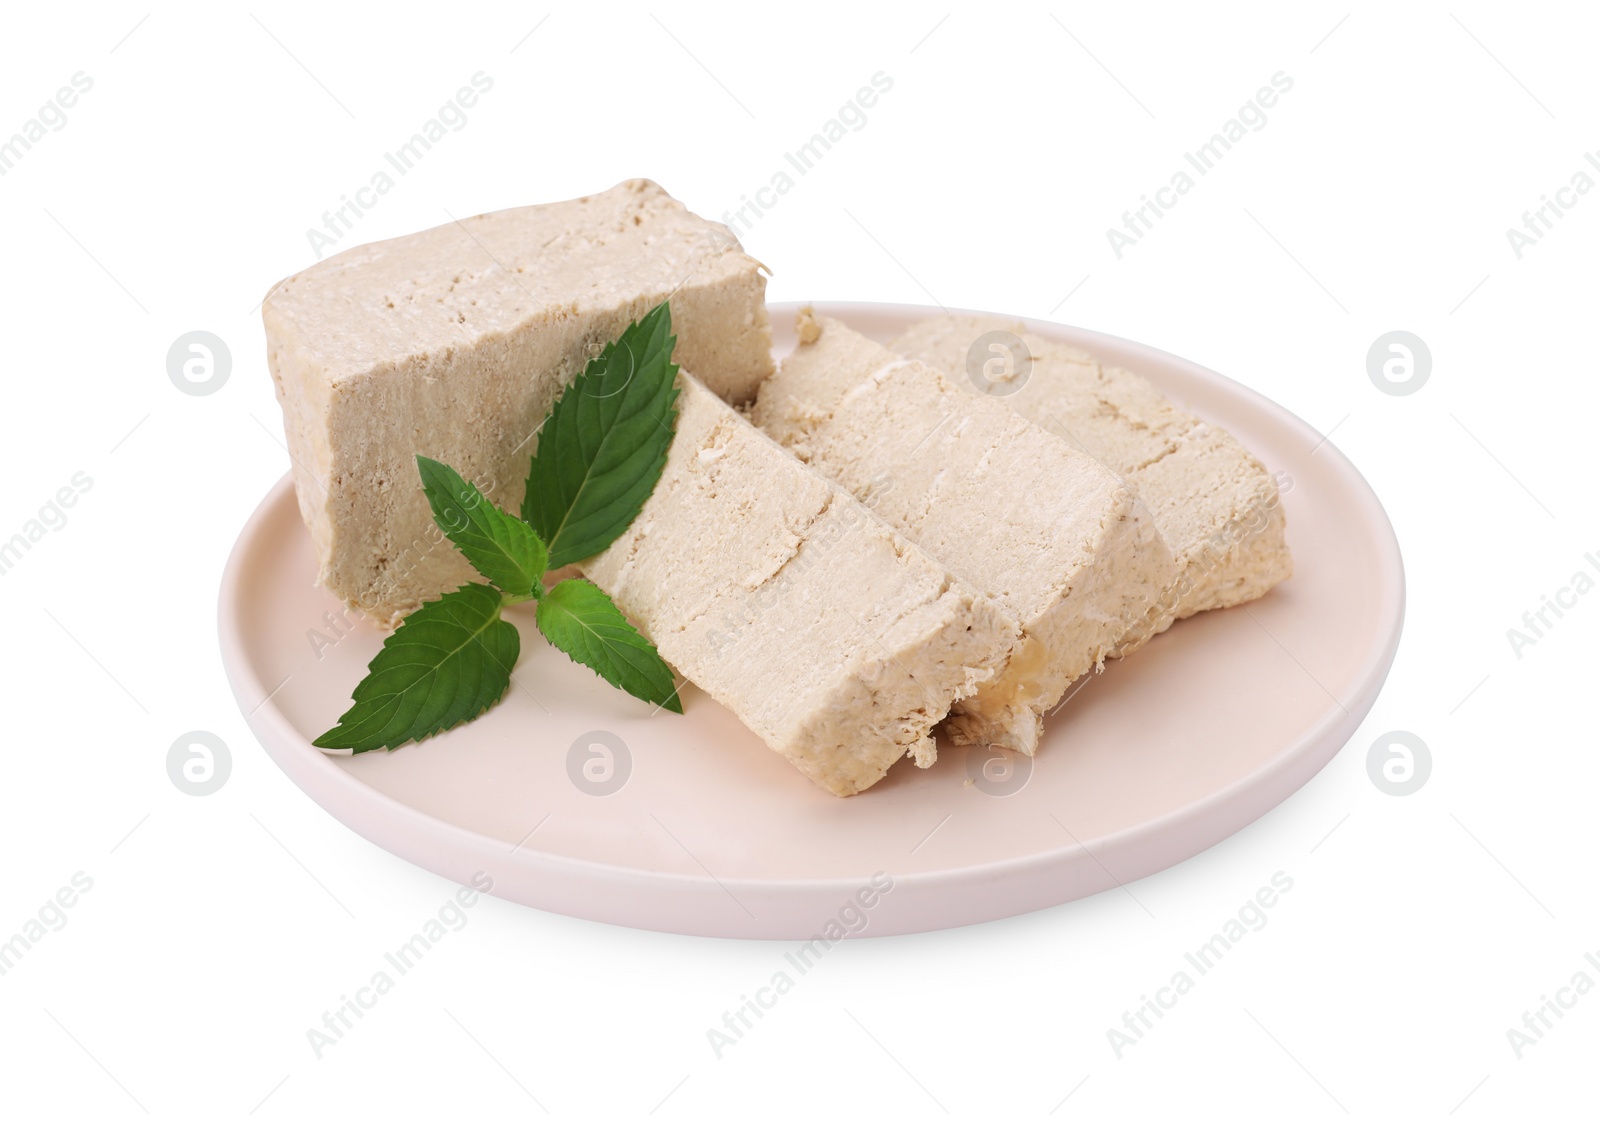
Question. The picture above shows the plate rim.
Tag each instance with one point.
(1175, 836)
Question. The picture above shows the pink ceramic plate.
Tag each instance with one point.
(577, 799)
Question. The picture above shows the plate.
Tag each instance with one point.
(573, 798)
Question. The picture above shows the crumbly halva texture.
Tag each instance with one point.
(1046, 531)
(455, 342)
(1214, 502)
(833, 638)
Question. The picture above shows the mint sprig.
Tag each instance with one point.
(605, 442)
(603, 447)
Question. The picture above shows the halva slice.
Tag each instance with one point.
(1044, 530)
(833, 638)
(1214, 502)
(454, 342)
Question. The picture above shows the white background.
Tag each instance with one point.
(1377, 197)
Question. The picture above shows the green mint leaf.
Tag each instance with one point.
(506, 551)
(581, 621)
(449, 661)
(603, 446)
